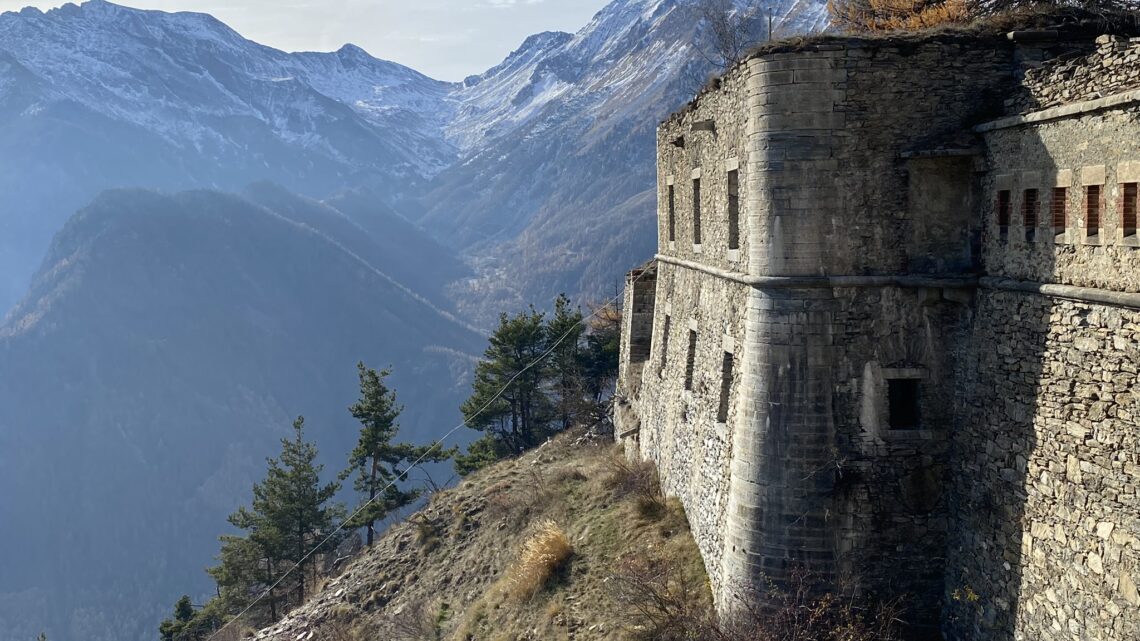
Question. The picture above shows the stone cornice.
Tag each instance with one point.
(787, 282)
(1064, 111)
(1082, 294)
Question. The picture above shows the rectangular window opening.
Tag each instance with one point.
(1029, 208)
(1060, 209)
(696, 211)
(690, 359)
(1003, 206)
(1092, 210)
(725, 388)
(672, 215)
(641, 317)
(665, 342)
(903, 403)
(734, 209)
(1128, 209)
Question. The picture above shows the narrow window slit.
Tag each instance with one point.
(690, 359)
(1029, 208)
(1092, 210)
(672, 214)
(734, 209)
(696, 211)
(1003, 207)
(1128, 209)
(1060, 209)
(725, 388)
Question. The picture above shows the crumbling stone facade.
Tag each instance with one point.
(878, 352)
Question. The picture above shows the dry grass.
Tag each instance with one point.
(448, 573)
(639, 480)
(541, 556)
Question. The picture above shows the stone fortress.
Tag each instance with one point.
(892, 333)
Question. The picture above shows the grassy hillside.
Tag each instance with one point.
(487, 560)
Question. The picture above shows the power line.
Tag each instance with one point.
(428, 451)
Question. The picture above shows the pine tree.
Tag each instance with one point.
(290, 514)
(379, 463)
(564, 338)
(602, 351)
(518, 418)
(171, 629)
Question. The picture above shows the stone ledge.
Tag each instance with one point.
(785, 282)
(1071, 292)
(1064, 111)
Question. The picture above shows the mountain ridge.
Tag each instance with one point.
(166, 343)
(251, 223)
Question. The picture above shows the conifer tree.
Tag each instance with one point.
(602, 351)
(515, 419)
(171, 629)
(564, 337)
(290, 514)
(378, 462)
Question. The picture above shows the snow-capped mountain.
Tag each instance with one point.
(98, 96)
(181, 75)
(538, 173)
(554, 192)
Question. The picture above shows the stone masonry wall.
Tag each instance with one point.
(818, 482)
(678, 428)
(1046, 538)
(1101, 148)
(1046, 510)
(1114, 66)
(709, 156)
(866, 211)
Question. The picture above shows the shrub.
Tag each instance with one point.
(659, 597)
(896, 15)
(542, 555)
(416, 621)
(664, 602)
(639, 480)
(909, 15)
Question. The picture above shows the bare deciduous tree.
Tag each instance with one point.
(727, 32)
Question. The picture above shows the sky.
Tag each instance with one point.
(445, 39)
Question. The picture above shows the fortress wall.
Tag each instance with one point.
(829, 145)
(860, 196)
(708, 155)
(1111, 67)
(819, 481)
(1097, 147)
(678, 429)
(1046, 529)
(1046, 516)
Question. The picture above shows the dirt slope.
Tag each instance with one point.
(446, 573)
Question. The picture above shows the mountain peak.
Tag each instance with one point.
(350, 50)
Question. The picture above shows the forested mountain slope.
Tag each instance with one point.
(167, 342)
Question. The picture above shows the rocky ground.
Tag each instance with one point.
(444, 573)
